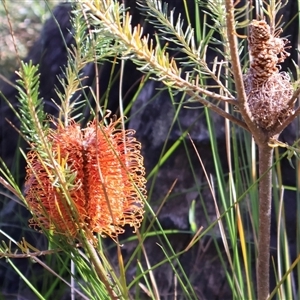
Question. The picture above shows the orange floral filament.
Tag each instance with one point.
(107, 187)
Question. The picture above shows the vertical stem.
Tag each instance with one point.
(99, 269)
(265, 199)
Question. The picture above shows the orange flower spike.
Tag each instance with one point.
(69, 142)
(108, 187)
(133, 175)
(47, 204)
(114, 200)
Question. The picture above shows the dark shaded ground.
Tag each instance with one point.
(152, 121)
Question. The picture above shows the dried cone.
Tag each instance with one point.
(268, 90)
(107, 190)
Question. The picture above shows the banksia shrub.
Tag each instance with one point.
(100, 186)
(267, 89)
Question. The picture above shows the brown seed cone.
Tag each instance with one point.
(266, 51)
(268, 90)
(269, 103)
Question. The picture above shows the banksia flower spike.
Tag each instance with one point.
(103, 175)
(43, 194)
(115, 176)
(268, 90)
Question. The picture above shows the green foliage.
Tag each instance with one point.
(31, 115)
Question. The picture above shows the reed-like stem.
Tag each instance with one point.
(265, 199)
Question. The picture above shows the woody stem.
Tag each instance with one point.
(265, 199)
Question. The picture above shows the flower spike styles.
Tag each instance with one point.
(115, 171)
(49, 205)
(97, 183)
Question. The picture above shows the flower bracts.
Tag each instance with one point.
(101, 171)
(268, 90)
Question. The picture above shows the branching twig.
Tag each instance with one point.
(155, 59)
(27, 255)
(236, 68)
